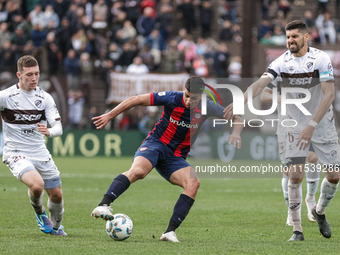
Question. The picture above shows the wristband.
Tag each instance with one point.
(312, 123)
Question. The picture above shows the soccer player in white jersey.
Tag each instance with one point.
(25, 110)
(311, 69)
(312, 174)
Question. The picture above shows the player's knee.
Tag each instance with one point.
(312, 158)
(37, 188)
(57, 197)
(193, 185)
(136, 174)
(333, 180)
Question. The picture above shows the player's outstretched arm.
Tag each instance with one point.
(235, 137)
(102, 120)
(328, 98)
(256, 88)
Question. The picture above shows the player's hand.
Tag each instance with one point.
(43, 129)
(236, 140)
(101, 121)
(305, 137)
(228, 112)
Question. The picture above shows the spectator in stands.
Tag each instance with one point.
(146, 23)
(278, 38)
(321, 6)
(186, 13)
(4, 33)
(61, 7)
(148, 122)
(38, 35)
(157, 45)
(164, 19)
(206, 18)
(221, 61)
(237, 34)
(29, 49)
(114, 53)
(137, 67)
(284, 6)
(147, 57)
(132, 11)
(79, 41)
(267, 38)
(127, 56)
(188, 48)
(18, 40)
(101, 10)
(264, 28)
(235, 70)
(182, 34)
(148, 3)
(233, 10)
(38, 16)
(200, 66)
(85, 68)
(71, 15)
(71, 67)
(128, 31)
(51, 15)
(64, 34)
(76, 103)
(52, 48)
(7, 58)
(309, 20)
(226, 33)
(172, 58)
(326, 28)
(3, 12)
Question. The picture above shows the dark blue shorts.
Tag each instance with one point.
(161, 157)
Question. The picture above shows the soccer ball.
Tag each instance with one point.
(120, 227)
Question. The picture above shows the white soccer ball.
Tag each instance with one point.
(120, 227)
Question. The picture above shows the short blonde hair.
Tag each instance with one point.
(26, 61)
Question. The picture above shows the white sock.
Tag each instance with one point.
(56, 213)
(295, 199)
(312, 178)
(327, 193)
(284, 184)
(37, 203)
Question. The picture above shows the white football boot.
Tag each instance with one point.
(170, 236)
(310, 205)
(103, 211)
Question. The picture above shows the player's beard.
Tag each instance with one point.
(298, 47)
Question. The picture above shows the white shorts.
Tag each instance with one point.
(47, 169)
(328, 152)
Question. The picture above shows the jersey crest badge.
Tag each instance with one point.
(310, 65)
(38, 103)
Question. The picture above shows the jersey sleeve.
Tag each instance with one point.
(274, 69)
(325, 68)
(162, 98)
(214, 110)
(2, 99)
(51, 111)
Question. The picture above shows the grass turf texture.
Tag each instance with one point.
(230, 216)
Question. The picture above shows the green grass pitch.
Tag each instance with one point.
(230, 216)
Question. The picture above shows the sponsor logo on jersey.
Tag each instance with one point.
(198, 115)
(161, 94)
(39, 96)
(38, 103)
(183, 124)
(291, 68)
(14, 94)
(330, 68)
(28, 117)
(28, 132)
(300, 81)
(143, 149)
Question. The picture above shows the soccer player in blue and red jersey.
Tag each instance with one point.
(166, 147)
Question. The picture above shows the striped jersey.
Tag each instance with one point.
(178, 126)
(303, 72)
(21, 111)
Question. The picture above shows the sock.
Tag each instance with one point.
(181, 210)
(295, 199)
(284, 184)
(327, 193)
(117, 187)
(312, 178)
(37, 203)
(56, 213)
